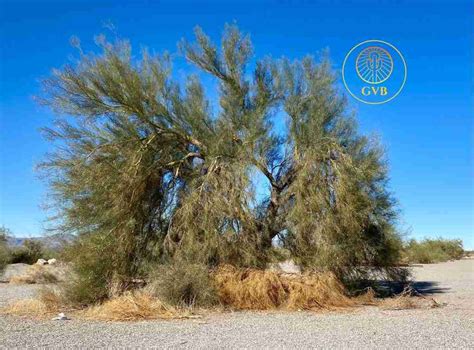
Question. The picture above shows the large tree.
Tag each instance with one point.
(151, 169)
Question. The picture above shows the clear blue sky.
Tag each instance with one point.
(427, 129)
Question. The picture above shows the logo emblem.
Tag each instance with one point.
(374, 65)
(374, 72)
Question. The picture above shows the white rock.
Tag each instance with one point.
(60, 317)
(41, 262)
(52, 261)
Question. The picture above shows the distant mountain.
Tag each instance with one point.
(15, 241)
(50, 241)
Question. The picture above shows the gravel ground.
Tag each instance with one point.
(9, 292)
(449, 327)
(13, 270)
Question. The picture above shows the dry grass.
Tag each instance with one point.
(250, 289)
(367, 298)
(47, 304)
(316, 291)
(237, 289)
(131, 306)
(39, 274)
(52, 298)
(27, 307)
(408, 299)
(402, 303)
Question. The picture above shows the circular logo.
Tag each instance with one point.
(374, 72)
(374, 65)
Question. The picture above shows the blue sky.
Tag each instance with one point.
(427, 129)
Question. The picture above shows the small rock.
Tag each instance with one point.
(52, 261)
(41, 262)
(61, 317)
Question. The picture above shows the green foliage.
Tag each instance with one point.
(4, 257)
(29, 252)
(279, 254)
(430, 251)
(4, 251)
(92, 259)
(149, 170)
(184, 283)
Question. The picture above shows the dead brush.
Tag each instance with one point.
(248, 288)
(409, 298)
(131, 306)
(251, 289)
(52, 298)
(47, 304)
(367, 298)
(27, 307)
(315, 291)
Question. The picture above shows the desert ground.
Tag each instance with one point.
(450, 326)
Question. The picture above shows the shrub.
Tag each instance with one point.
(4, 256)
(4, 251)
(182, 283)
(453, 248)
(279, 254)
(91, 274)
(30, 251)
(430, 251)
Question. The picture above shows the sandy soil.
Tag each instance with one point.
(451, 326)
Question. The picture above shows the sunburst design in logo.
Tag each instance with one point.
(374, 65)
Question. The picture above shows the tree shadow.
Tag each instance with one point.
(385, 289)
(391, 288)
(429, 287)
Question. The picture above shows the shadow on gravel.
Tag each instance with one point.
(391, 288)
(428, 287)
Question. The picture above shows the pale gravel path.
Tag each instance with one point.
(448, 327)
